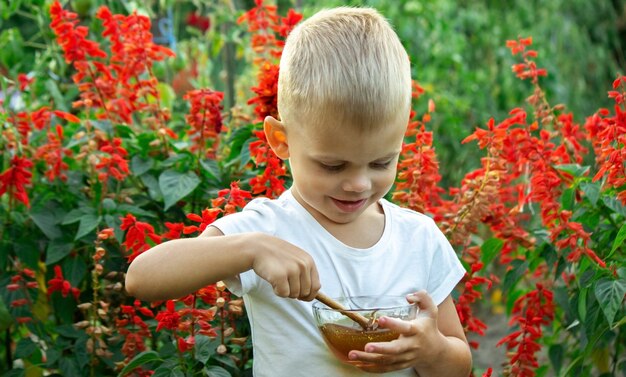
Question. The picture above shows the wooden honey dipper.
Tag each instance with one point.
(365, 323)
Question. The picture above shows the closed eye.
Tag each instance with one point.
(332, 168)
(381, 165)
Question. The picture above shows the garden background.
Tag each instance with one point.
(125, 124)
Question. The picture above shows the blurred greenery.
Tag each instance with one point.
(457, 49)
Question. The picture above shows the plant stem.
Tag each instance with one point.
(7, 348)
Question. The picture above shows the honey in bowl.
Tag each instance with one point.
(343, 339)
(342, 334)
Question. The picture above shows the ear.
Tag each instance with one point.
(276, 135)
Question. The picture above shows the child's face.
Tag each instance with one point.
(339, 172)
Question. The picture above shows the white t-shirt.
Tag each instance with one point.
(411, 255)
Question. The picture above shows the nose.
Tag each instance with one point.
(358, 182)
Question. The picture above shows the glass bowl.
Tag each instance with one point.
(342, 334)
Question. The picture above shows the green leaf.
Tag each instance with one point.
(619, 240)
(519, 268)
(52, 356)
(88, 223)
(216, 371)
(224, 359)
(25, 347)
(139, 165)
(75, 270)
(210, 167)
(127, 208)
(47, 222)
(165, 371)
(205, 347)
(124, 131)
(167, 95)
(610, 294)
(57, 250)
(556, 353)
(108, 205)
(16, 372)
(68, 331)
(139, 360)
(573, 169)
(152, 185)
(175, 186)
(5, 317)
(103, 125)
(244, 154)
(55, 93)
(582, 304)
(591, 190)
(239, 137)
(173, 160)
(76, 214)
(568, 197)
(614, 204)
(69, 367)
(489, 249)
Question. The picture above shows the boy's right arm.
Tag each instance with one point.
(178, 267)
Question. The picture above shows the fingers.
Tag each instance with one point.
(381, 362)
(297, 278)
(425, 304)
(398, 325)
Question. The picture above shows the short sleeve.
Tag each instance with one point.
(255, 217)
(446, 268)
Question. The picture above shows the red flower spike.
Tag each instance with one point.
(137, 235)
(70, 37)
(16, 178)
(58, 283)
(270, 183)
(115, 165)
(266, 91)
(169, 318)
(205, 119)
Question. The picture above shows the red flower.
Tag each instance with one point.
(137, 233)
(58, 283)
(608, 137)
(271, 182)
(53, 153)
(186, 344)
(198, 21)
(204, 119)
(72, 38)
(528, 69)
(174, 232)
(289, 22)
(261, 17)
(24, 81)
(208, 216)
(169, 318)
(266, 91)
(530, 312)
(268, 29)
(417, 182)
(232, 198)
(115, 165)
(15, 179)
(468, 296)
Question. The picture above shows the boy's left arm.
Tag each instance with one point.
(434, 343)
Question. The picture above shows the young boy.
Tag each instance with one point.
(344, 97)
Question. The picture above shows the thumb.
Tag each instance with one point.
(425, 304)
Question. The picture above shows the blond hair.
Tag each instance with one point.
(344, 65)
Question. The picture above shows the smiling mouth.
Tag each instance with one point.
(349, 205)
